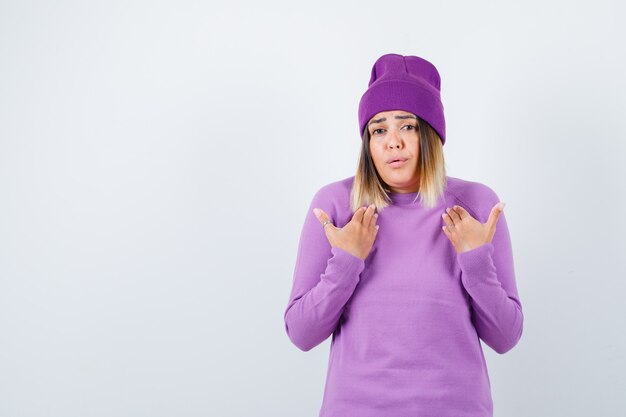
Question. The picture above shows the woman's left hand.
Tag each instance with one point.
(467, 233)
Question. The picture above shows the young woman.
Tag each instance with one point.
(406, 267)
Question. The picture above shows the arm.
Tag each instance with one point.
(323, 281)
(488, 275)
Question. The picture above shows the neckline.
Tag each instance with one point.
(403, 199)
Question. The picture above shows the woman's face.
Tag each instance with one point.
(394, 135)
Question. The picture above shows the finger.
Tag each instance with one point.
(495, 213)
(453, 214)
(322, 216)
(447, 220)
(358, 214)
(369, 213)
(462, 212)
(373, 221)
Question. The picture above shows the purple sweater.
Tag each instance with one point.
(406, 321)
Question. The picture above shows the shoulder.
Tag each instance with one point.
(334, 199)
(477, 198)
(337, 192)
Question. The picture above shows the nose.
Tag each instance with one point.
(395, 139)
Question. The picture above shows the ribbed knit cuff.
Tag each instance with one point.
(477, 264)
(348, 266)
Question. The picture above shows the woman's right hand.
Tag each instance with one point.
(356, 237)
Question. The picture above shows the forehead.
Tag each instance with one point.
(390, 115)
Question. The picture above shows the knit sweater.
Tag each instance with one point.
(407, 321)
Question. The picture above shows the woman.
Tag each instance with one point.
(417, 273)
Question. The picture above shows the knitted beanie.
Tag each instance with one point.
(408, 83)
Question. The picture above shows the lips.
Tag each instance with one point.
(397, 163)
(396, 159)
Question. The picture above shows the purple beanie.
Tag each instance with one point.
(408, 83)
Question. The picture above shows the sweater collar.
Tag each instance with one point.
(403, 198)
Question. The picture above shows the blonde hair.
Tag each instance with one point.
(369, 188)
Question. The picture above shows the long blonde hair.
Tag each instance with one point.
(369, 188)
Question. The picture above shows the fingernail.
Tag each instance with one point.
(317, 212)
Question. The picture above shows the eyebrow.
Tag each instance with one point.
(382, 119)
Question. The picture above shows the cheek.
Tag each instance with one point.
(376, 156)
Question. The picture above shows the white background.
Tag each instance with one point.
(157, 160)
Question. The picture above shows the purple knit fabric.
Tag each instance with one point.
(407, 321)
(408, 83)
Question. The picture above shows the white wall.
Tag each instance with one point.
(157, 159)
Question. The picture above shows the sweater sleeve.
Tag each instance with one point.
(488, 275)
(323, 281)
